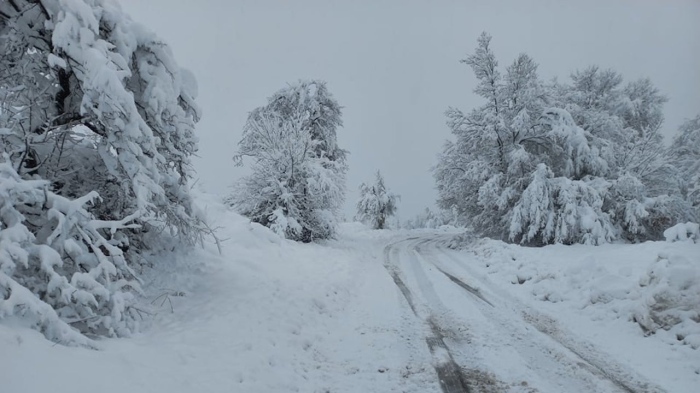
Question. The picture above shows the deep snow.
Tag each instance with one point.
(271, 315)
(641, 302)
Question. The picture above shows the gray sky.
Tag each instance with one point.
(394, 66)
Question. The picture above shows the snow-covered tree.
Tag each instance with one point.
(560, 210)
(624, 122)
(685, 153)
(377, 204)
(84, 85)
(59, 269)
(555, 163)
(96, 133)
(297, 183)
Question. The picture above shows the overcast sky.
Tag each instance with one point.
(394, 66)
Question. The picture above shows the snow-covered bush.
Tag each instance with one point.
(682, 232)
(96, 133)
(670, 299)
(376, 203)
(60, 268)
(558, 163)
(297, 183)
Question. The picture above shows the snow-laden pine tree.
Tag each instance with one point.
(377, 204)
(297, 184)
(558, 163)
(96, 133)
(685, 153)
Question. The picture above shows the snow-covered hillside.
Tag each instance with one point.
(271, 315)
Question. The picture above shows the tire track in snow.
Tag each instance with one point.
(397, 279)
(590, 358)
(448, 372)
(543, 357)
(474, 291)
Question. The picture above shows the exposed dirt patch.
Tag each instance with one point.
(480, 381)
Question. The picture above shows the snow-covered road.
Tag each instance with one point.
(483, 339)
(373, 311)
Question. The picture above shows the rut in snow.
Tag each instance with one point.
(590, 359)
(449, 373)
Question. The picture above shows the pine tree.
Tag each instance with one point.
(297, 183)
(376, 204)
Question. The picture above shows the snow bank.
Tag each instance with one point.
(668, 297)
(654, 286)
(683, 232)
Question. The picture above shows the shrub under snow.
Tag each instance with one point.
(57, 269)
(670, 299)
(683, 231)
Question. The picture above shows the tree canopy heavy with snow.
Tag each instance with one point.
(377, 204)
(96, 133)
(297, 184)
(543, 163)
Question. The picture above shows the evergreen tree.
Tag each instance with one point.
(376, 204)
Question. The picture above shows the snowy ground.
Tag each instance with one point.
(275, 316)
(640, 303)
